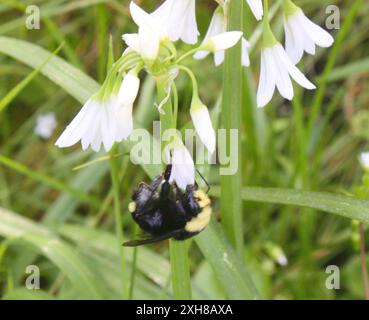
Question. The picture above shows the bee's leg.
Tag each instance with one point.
(156, 182)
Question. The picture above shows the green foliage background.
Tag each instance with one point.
(62, 220)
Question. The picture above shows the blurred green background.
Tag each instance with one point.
(61, 219)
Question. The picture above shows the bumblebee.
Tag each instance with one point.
(164, 211)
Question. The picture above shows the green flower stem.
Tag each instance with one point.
(289, 8)
(269, 39)
(195, 89)
(180, 270)
(188, 54)
(114, 169)
(266, 10)
(230, 200)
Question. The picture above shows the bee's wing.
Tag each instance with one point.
(141, 242)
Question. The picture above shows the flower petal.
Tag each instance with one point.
(216, 27)
(183, 167)
(282, 79)
(204, 128)
(294, 39)
(295, 73)
(267, 78)
(256, 7)
(179, 19)
(218, 57)
(75, 130)
(321, 37)
(225, 40)
(129, 89)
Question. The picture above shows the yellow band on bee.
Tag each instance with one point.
(132, 207)
(203, 198)
(200, 222)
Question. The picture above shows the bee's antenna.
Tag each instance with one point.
(206, 182)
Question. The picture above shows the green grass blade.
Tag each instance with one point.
(231, 204)
(4, 102)
(61, 254)
(343, 72)
(344, 206)
(226, 263)
(71, 79)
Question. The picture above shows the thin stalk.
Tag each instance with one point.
(364, 269)
(230, 200)
(180, 270)
(114, 169)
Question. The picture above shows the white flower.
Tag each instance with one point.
(178, 17)
(256, 7)
(364, 159)
(223, 41)
(45, 125)
(302, 34)
(103, 122)
(217, 26)
(276, 70)
(150, 34)
(183, 167)
(129, 89)
(202, 123)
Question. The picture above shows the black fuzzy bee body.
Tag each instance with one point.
(164, 211)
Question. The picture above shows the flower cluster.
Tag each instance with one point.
(106, 118)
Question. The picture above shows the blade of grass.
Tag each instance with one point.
(228, 267)
(16, 227)
(231, 204)
(5, 101)
(343, 72)
(72, 80)
(343, 206)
